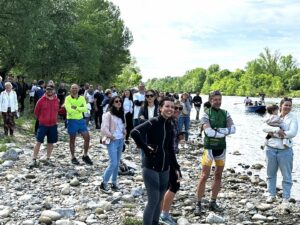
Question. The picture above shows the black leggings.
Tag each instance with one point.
(156, 185)
(129, 124)
(173, 184)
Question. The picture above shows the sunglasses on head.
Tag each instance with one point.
(117, 101)
(148, 96)
(178, 108)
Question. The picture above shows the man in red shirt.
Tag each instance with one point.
(46, 110)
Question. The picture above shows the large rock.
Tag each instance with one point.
(264, 207)
(65, 212)
(5, 213)
(259, 217)
(28, 222)
(51, 214)
(66, 189)
(45, 220)
(8, 163)
(10, 154)
(74, 182)
(257, 166)
(214, 218)
(64, 222)
(183, 221)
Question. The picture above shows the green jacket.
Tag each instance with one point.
(217, 119)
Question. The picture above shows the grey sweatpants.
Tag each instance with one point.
(156, 185)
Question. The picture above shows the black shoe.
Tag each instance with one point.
(212, 206)
(104, 188)
(75, 161)
(198, 209)
(114, 187)
(34, 164)
(87, 160)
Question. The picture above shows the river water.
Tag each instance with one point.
(249, 138)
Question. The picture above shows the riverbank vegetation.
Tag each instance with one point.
(66, 40)
(270, 73)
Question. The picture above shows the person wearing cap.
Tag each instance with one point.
(217, 124)
(46, 110)
(75, 106)
(8, 107)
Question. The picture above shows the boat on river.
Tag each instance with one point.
(255, 108)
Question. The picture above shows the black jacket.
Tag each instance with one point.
(144, 112)
(159, 134)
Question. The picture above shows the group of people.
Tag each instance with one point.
(155, 122)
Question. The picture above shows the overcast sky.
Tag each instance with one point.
(173, 36)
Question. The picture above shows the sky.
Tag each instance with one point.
(174, 36)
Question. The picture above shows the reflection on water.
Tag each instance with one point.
(249, 138)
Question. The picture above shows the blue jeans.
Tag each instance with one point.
(282, 159)
(184, 120)
(114, 149)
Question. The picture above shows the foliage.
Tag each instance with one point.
(270, 73)
(82, 40)
(132, 221)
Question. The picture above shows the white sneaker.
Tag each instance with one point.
(285, 201)
(271, 199)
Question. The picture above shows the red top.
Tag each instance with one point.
(46, 110)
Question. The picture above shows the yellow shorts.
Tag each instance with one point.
(210, 155)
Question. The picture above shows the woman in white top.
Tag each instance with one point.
(128, 111)
(149, 108)
(280, 155)
(113, 127)
(9, 108)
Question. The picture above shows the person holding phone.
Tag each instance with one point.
(156, 138)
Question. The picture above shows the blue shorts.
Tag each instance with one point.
(49, 131)
(76, 126)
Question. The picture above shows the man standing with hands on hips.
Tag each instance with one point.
(75, 106)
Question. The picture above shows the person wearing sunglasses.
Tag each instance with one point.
(184, 118)
(156, 138)
(174, 183)
(149, 108)
(113, 127)
(217, 124)
(279, 152)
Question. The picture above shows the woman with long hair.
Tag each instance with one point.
(150, 107)
(156, 138)
(113, 127)
(128, 111)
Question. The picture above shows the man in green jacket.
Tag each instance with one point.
(75, 106)
(217, 124)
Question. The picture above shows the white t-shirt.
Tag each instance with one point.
(118, 134)
(151, 111)
(140, 97)
(127, 105)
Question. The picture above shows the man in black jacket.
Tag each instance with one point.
(197, 101)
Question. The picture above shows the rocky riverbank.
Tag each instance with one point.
(67, 194)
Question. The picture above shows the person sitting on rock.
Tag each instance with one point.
(217, 125)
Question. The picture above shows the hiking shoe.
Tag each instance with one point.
(212, 206)
(270, 199)
(104, 188)
(87, 160)
(49, 163)
(166, 219)
(198, 209)
(75, 161)
(33, 164)
(115, 187)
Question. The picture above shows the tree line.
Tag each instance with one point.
(65, 40)
(270, 73)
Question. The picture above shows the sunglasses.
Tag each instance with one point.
(117, 101)
(178, 108)
(148, 96)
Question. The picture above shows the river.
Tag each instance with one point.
(249, 138)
